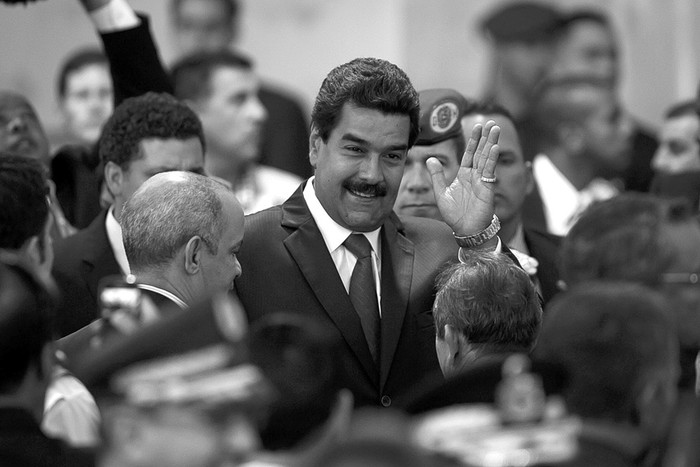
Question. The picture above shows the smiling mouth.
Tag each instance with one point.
(363, 194)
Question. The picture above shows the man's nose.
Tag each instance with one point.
(418, 179)
(17, 124)
(370, 169)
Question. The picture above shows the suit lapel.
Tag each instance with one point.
(397, 272)
(98, 258)
(308, 249)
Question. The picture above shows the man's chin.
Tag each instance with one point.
(426, 210)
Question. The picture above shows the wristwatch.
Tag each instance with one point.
(479, 238)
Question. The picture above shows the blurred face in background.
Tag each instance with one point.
(416, 196)
(202, 25)
(87, 102)
(679, 148)
(21, 133)
(232, 114)
(587, 47)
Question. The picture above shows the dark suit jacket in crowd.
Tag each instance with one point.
(287, 267)
(544, 247)
(81, 260)
(22, 443)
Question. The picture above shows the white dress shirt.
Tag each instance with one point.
(114, 235)
(335, 234)
(562, 202)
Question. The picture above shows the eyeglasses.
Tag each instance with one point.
(680, 278)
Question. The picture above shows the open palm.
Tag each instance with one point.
(467, 204)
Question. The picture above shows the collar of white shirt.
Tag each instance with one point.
(114, 235)
(562, 202)
(165, 293)
(334, 235)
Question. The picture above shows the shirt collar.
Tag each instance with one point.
(114, 235)
(333, 233)
(164, 293)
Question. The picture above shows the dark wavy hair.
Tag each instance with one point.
(370, 83)
(151, 115)
(24, 208)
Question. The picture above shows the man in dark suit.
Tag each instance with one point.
(26, 356)
(515, 184)
(181, 234)
(416, 197)
(146, 135)
(298, 256)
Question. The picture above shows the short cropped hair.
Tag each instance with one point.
(157, 221)
(76, 61)
(26, 323)
(24, 207)
(191, 76)
(491, 300)
(369, 83)
(622, 239)
(608, 336)
(151, 115)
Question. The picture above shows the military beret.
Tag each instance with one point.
(440, 115)
(522, 22)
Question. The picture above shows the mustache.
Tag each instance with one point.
(378, 189)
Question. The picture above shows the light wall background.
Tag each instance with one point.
(437, 42)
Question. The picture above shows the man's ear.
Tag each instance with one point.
(529, 178)
(48, 359)
(452, 339)
(315, 142)
(193, 255)
(33, 251)
(114, 178)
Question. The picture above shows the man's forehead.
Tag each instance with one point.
(11, 101)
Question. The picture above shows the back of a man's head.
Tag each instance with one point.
(369, 83)
(24, 209)
(617, 341)
(165, 213)
(150, 115)
(25, 326)
(624, 238)
(491, 302)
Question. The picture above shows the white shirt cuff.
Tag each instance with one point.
(117, 15)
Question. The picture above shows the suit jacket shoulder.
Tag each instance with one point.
(544, 247)
(81, 260)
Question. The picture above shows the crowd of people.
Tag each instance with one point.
(190, 275)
